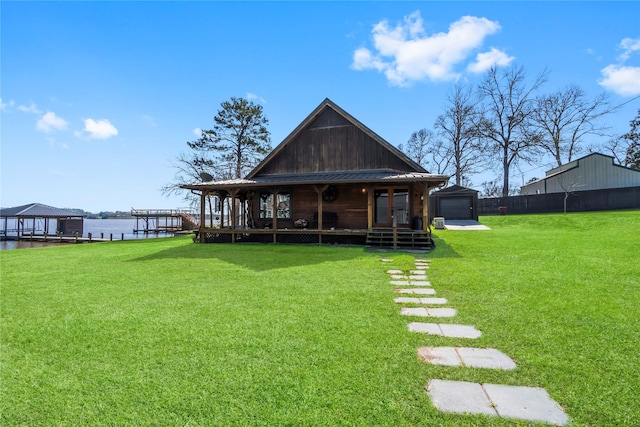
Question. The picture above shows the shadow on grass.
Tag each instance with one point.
(259, 256)
(443, 249)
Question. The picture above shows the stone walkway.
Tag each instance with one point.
(524, 403)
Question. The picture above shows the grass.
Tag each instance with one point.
(165, 332)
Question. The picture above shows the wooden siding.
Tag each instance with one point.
(350, 206)
(333, 148)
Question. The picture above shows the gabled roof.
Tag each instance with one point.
(456, 189)
(37, 210)
(324, 105)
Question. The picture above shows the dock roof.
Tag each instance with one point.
(37, 210)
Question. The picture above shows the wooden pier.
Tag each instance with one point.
(164, 220)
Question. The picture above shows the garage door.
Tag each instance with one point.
(456, 208)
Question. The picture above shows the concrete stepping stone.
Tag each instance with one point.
(418, 272)
(419, 283)
(415, 291)
(427, 301)
(428, 312)
(386, 260)
(517, 402)
(395, 272)
(422, 260)
(399, 282)
(417, 277)
(422, 267)
(399, 277)
(489, 358)
(445, 330)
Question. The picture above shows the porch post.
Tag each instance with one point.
(319, 190)
(203, 214)
(425, 208)
(275, 214)
(369, 206)
(233, 214)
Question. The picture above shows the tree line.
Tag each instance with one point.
(499, 124)
(505, 121)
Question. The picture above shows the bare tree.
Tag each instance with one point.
(565, 117)
(429, 152)
(508, 105)
(568, 187)
(190, 168)
(458, 125)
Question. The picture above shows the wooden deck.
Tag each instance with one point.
(379, 238)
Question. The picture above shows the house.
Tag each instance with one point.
(595, 171)
(36, 219)
(455, 202)
(331, 180)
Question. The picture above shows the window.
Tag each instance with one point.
(283, 206)
(266, 205)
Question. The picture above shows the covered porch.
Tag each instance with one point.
(380, 208)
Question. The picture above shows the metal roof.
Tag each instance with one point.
(37, 210)
(339, 177)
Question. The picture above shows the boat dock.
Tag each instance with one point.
(164, 220)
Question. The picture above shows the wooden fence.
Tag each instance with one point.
(578, 201)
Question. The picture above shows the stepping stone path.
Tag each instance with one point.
(427, 301)
(524, 403)
(415, 291)
(489, 358)
(445, 330)
(428, 312)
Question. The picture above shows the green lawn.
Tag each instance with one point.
(166, 332)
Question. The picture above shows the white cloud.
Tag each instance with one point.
(197, 132)
(629, 45)
(623, 80)
(100, 129)
(253, 96)
(620, 78)
(148, 120)
(405, 53)
(486, 60)
(29, 108)
(49, 122)
(5, 106)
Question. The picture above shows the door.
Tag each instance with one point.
(456, 207)
(390, 204)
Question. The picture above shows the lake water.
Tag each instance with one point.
(97, 227)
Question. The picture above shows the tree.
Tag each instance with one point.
(632, 158)
(239, 137)
(568, 187)
(191, 167)
(508, 105)
(565, 117)
(626, 148)
(458, 125)
(429, 152)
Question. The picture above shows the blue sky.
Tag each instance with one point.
(99, 97)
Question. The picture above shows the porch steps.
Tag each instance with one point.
(406, 239)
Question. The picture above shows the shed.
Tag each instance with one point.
(455, 202)
(36, 219)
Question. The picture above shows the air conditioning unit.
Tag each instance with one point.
(439, 222)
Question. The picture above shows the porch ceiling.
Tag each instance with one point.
(338, 177)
